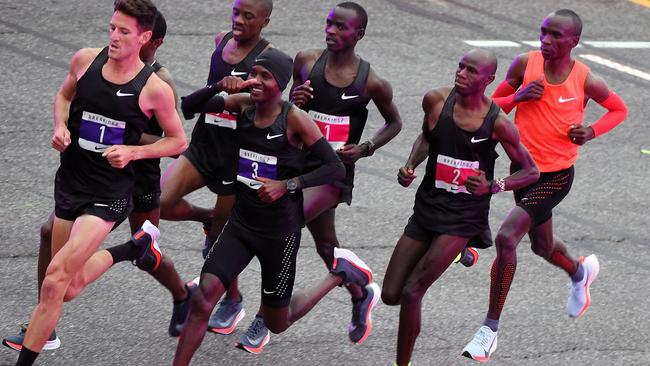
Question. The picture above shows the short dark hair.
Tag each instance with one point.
(159, 27)
(144, 12)
(361, 12)
(577, 22)
(268, 6)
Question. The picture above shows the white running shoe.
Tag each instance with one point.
(579, 297)
(482, 345)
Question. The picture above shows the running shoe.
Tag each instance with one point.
(468, 257)
(353, 269)
(579, 297)
(256, 337)
(482, 345)
(16, 342)
(361, 324)
(228, 315)
(146, 238)
(180, 311)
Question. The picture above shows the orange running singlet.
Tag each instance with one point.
(543, 124)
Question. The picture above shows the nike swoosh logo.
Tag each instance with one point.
(253, 184)
(268, 292)
(346, 97)
(562, 100)
(474, 140)
(225, 182)
(100, 205)
(238, 73)
(120, 94)
(270, 137)
(100, 148)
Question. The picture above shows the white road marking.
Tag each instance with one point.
(488, 43)
(617, 44)
(617, 66)
(536, 44)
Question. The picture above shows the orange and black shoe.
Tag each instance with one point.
(468, 257)
(146, 239)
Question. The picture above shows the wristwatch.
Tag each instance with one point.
(292, 185)
(370, 146)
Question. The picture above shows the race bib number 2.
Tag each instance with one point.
(223, 119)
(253, 165)
(452, 173)
(336, 129)
(96, 132)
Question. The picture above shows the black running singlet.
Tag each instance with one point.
(215, 131)
(102, 114)
(266, 152)
(147, 171)
(442, 202)
(340, 113)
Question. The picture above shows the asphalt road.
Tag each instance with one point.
(122, 319)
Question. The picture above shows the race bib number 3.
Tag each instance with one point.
(97, 132)
(336, 129)
(223, 119)
(452, 173)
(253, 165)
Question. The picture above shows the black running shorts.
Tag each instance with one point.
(69, 206)
(236, 247)
(539, 198)
(219, 173)
(420, 233)
(146, 202)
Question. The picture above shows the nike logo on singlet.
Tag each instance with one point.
(346, 97)
(271, 137)
(120, 94)
(562, 100)
(225, 182)
(268, 292)
(474, 140)
(238, 73)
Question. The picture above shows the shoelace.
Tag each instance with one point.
(483, 337)
(255, 329)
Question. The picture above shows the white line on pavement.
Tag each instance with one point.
(536, 44)
(617, 44)
(488, 43)
(616, 66)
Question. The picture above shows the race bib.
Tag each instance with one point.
(96, 132)
(222, 119)
(253, 165)
(336, 129)
(451, 173)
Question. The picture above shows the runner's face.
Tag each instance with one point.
(248, 19)
(470, 76)
(267, 88)
(557, 37)
(342, 30)
(125, 36)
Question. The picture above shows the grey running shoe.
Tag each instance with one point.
(353, 269)
(228, 315)
(180, 311)
(361, 324)
(16, 342)
(256, 337)
(146, 238)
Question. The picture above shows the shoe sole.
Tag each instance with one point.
(375, 299)
(49, 345)
(229, 330)
(476, 358)
(255, 350)
(354, 260)
(590, 278)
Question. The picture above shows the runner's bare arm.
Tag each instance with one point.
(508, 135)
(301, 91)
(381, 93)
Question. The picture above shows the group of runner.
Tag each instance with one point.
(277, 166)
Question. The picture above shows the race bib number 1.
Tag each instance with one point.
(336, 129)
(253, 165)
(452, 173)
(96, 132)
(223, 119)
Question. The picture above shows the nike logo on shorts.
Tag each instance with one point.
(474, 140)
(346, 97)
(225, 182)
(271, 137)
(238, 73)
(562, 100)
(100, 205)
(268, 292)
(120, 94)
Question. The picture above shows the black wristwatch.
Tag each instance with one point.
(292, 185)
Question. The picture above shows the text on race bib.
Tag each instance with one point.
(96, 132)
(253, 165)
(452, 173)
(222, 119)
(336, 129)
